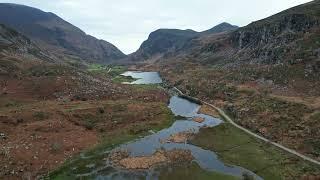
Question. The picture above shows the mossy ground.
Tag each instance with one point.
(192, 172)
(123, 79)
(235, 147)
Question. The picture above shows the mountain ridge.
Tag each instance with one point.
(57, 35)
(165, 42)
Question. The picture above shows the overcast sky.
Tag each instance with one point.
(127, 23)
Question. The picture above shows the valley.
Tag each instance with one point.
(76, 107)
(230, 144)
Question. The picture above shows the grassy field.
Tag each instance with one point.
(237, 148)
(112, 71)
(96, 67)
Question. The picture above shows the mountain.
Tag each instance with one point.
(56, 35)
(162, 42)
(167, 42)
(223, 27)
(290, 37)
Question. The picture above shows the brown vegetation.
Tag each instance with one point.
(181, 137)
(49, 113)
(146, 162)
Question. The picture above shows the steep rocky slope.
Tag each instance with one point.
(56, 35)
(15, 43)
(290, 37)
(17, 51)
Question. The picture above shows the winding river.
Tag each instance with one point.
(207, 160)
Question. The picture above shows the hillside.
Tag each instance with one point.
(14, 42)
(56, 35)
(17, 50)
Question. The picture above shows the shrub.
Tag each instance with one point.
(56, 147)
(89, 125)
(40, 115)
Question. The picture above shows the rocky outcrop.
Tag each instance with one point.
(271, 39)
(289, 37)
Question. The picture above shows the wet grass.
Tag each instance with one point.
(122, 79)
(145, 87)
(192, 172)
(116, 70)
(96, 67)
(112, 71)
(235, 147)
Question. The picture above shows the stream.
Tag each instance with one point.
(146, 146)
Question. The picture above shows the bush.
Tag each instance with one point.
(89, 121)
(89, 125)
(40, 115)
(101, 110)
(56, 147)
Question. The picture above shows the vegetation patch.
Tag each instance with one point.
(49, 70)
(114, 71)
(123, 79)
(40, 115)
(96, 67)
(237, 148)
(191, 172)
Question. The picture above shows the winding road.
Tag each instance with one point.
(225, 116)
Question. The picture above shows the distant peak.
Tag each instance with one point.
(222, 27)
